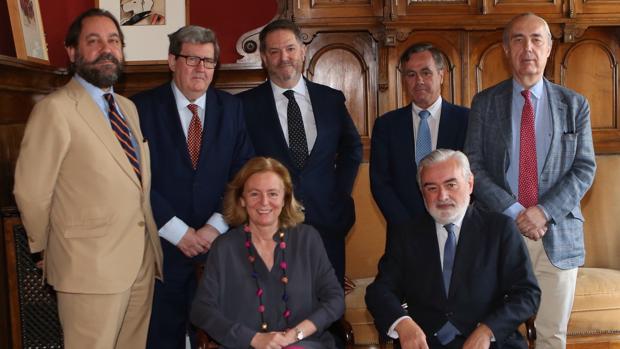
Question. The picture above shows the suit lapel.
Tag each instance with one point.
(504, 115)
(211, 126)
(272, 124)
(321, 119)
(468, 243)
(172, 121)
(96, 121)
(428, 250)
(446, 135)
(558, 121)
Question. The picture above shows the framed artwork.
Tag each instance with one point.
(27, 28)
(146, 25)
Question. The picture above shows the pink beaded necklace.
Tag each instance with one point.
(259, 290)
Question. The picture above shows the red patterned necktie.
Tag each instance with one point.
(528, 166)
(194, 135)
(122, 133)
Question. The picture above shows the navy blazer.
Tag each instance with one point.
(178, 189)
(393, 169)
(325, 183)
(492, 281)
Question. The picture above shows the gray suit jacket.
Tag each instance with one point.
(567, 173)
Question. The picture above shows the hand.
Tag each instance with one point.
(411, 335)
(41, 262)
(349, 285)
(192, 244)
(208, 233)
(271, 340)
(532, 223)
(480, 338)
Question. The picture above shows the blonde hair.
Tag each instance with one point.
(236, 215)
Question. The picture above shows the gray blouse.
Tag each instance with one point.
(226, 304)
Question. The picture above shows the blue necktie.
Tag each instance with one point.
(423, 143)
(447, 332)
(449, 250)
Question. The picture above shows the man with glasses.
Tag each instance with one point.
(198, 141)
(403, 136)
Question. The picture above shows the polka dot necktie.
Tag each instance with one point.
(297, 141)
(423, 143)
(123, 134)
(194, 135)
(528, 166)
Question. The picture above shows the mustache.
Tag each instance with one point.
(106, 57)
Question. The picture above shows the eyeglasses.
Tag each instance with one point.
(193, 61)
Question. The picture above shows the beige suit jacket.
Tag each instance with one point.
(79, 198)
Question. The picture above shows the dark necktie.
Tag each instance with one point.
(447, 332)
(194, 135)
(423, 143)
(297, 141)
(528, 166)
(121, 130)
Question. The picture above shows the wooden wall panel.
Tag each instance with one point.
(347, 62)
(492, 67)
(598, 82)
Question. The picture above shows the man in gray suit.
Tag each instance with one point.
(530, 146)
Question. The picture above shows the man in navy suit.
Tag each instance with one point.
(322, 154)
(198, 141)
(400, 137)
(530, 146)
(464, 273)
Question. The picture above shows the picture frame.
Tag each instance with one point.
(146, 27)
(27, 28)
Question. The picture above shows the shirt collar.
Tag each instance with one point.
(433, 109)
(92, 89)
(299, 88)
(536, 91)
(182, 101)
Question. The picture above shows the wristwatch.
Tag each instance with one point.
(299, 334)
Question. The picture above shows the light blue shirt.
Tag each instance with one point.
(544, 131)
(96, 94)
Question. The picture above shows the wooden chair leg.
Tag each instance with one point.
(530, 331)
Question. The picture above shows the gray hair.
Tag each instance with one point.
(508, 28)
(441, 155)
(192, 34)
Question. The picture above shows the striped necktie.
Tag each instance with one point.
(121, 130)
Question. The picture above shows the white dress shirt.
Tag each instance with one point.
(305, 105)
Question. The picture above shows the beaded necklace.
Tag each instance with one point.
(259, 290)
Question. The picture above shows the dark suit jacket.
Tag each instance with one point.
(178, 190)
(492, 281)
(325, 183)
(566, 175)
(392, 159)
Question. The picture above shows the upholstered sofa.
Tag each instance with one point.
(595, 319)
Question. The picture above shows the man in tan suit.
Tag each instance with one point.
(82, 184)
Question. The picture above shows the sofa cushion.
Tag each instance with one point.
(596, 309)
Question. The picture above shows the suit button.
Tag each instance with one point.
(141, 224)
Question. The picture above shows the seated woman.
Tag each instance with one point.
(267, 283)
